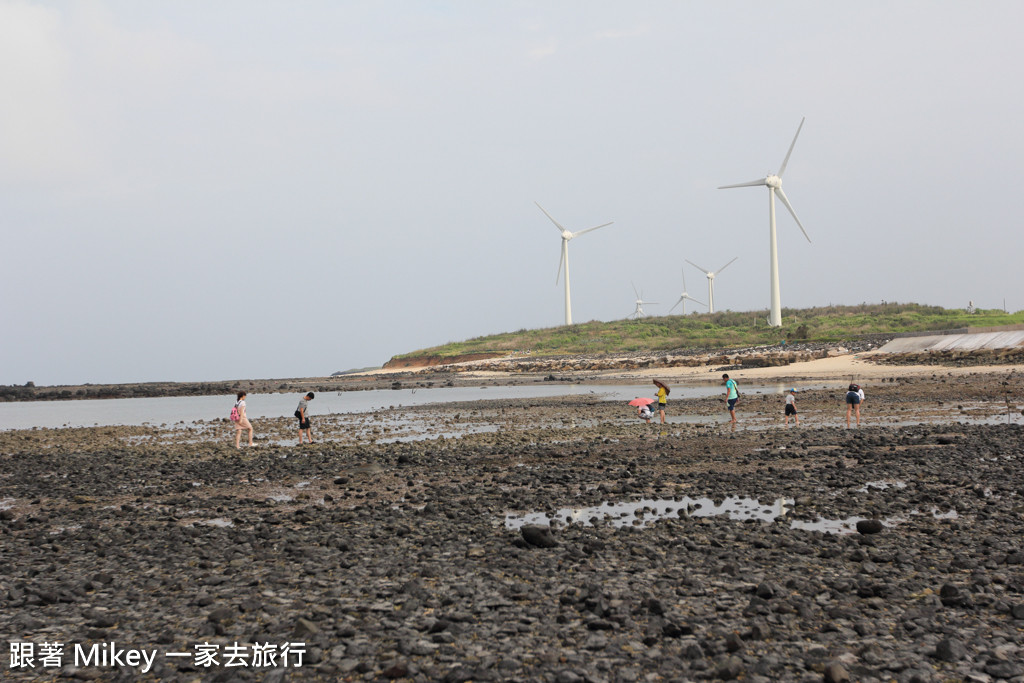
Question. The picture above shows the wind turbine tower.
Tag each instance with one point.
(773, 181)
(711, 280)
(564, 260)
(683, 297)
(639, 311)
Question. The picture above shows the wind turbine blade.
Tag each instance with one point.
(681, 299)
(785, 161)
(583, 232)
(703, 270)
(683, 271)
(634, 291)
(725, 266)
(695, 300)
(561, 260)
(752, 183)
(557, 224)
(782, 196)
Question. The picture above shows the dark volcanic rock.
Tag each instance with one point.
(729, 668)
(836, 673)
(869, 526)
(950, 650)
(539, 536)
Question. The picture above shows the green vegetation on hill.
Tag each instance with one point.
(726, 329)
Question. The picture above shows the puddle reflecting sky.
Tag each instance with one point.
(647, 511)
(882, 485)
(849, 525)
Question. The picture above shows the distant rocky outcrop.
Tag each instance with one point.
(741, 358)
(432, 361)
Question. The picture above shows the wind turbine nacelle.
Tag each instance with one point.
(773, 181)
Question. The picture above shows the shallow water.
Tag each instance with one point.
(882, 485)
(217, 522)
(189, 410)
(849, 525)
(647, 511)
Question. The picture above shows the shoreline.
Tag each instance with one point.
(640, 367)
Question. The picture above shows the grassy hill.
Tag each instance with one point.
(723, 330)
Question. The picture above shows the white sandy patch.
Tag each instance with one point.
(851, 365)
(844, 367)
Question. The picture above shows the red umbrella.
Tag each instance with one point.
(641, 402)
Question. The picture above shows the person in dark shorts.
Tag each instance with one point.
(302, 412)
(663, 392)
(732, 394)
(854, 397)
(791, 407)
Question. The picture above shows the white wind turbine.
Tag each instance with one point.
(774, 184)
(639, 312)
(711, 280)
(566, 236)
(683, 297)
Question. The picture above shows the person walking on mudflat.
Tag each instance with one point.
(854, 397)
(732, 394)
(791, 407)
(663, 392)
(302, 412)
(243, 421)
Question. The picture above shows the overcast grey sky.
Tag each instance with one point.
(201, 191)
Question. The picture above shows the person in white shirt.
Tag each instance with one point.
(791, 407)
(243, 421)
(854, 397)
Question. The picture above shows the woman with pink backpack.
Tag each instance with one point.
(240, 420)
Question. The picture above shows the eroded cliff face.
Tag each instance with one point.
(518, 364)
(638, 361)
(429, 361)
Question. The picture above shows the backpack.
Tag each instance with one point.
(235, 417)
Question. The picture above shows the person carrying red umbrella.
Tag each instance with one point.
(663, 392)
(643, 408)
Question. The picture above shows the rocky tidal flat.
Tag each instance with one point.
(386, 547)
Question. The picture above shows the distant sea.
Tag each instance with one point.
(191, 409)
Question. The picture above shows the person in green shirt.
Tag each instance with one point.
(731, 396)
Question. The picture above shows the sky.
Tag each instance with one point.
(198, 191)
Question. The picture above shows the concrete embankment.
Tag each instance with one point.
(956, 342)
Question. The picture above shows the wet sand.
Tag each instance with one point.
(385, 548)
